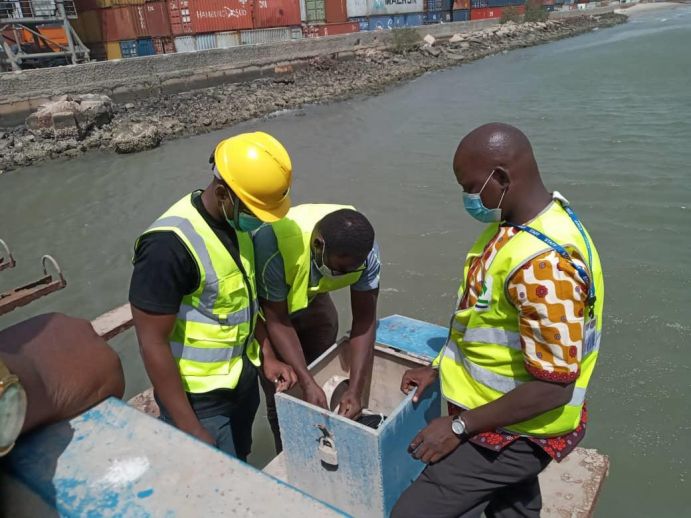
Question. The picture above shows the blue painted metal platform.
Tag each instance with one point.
(115, 461)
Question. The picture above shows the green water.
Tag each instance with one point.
(608, 114)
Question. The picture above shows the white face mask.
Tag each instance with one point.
(323, 269)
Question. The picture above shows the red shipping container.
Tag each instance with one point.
(199, 16)
(336, 11)
(276, 13)
(164, 45)
(461, 4)
(548, 2)
(157, 21)
(122, 23)
(491, 12)
(330, 29)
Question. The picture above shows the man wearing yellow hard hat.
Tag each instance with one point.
(194, 299)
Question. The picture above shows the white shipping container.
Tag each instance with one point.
(185, 44)
(359, 8)
(259, 36)
(356, 8)
(225, 40)
(205, 41)
(43, 7)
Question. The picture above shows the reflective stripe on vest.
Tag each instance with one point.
(214, 326)
(482, 359)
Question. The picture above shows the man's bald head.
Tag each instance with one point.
(501, 156)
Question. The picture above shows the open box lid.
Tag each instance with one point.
(411, 336)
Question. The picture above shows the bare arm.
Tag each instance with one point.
(362, 338)
(285, 339)
(280, 374)
(152, 332)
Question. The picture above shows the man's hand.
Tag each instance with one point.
(203, 435)
(350, 405)
(420, 377)
(280, 374)
(435, 441)
(314, 394)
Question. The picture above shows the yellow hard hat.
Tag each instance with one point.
(257, 168)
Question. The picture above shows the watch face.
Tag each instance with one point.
(457, 426)
(12, 413)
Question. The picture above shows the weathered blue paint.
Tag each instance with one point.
(374, 466)
(381, 23)
(128, 48)
(414, 20)
(126, 463)
(461, 15)
(415, 337)
(362, 21)
(437, 16)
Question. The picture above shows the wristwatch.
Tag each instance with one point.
(458, 427)
(12, 409)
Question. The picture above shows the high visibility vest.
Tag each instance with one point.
(215, 323)
(483, 360)
(293, 234)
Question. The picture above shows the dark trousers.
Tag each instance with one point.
(472, 480)
(228, 414)
(317, 329)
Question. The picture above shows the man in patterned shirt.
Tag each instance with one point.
(522, 344)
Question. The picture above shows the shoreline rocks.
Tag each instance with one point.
(72, 125)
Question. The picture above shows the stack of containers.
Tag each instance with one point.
(115, 29)
(460, 10)
(484, 9)
(438, 11)
(376, 15)
(327, 17)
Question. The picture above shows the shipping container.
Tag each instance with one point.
(164, 45)
(362, 21)
(157, 21)
(548, 2)
(460, 15)
(260, 36)
(380, 23)
(184, 44)
(145, 47)
(414, 20)
(357, 9)
(114, 24)
(276, 13)
(491, 12)
(478, 4)
(205, 41)
(460, 5)
(128, 48)
(315, 11)
(437, 16)
(199, 16)
(88, 27)
(113, 50)
(87, 5)
(438, 5)
(335, 11)
(331, 29)
(227, 39)
(550, 8)
(390, 7)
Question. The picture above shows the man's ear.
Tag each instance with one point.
(502, 176)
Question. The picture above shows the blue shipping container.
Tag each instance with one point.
(438, 5)
(380, 23)
(550, 8)
(362, 21)
(414, 20)
(437, 16)
(145, 47)
(461, 15)
(479, 4)
(128, 48)
(399, 21)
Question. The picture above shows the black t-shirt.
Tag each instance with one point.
(164, 272)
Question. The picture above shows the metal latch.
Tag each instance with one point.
(328, 454)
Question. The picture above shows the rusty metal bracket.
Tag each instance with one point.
(23, 295)
(6, 259)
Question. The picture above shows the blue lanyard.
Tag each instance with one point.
(583, 274)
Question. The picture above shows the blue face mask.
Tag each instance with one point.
(241, 221)
(474, 206)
